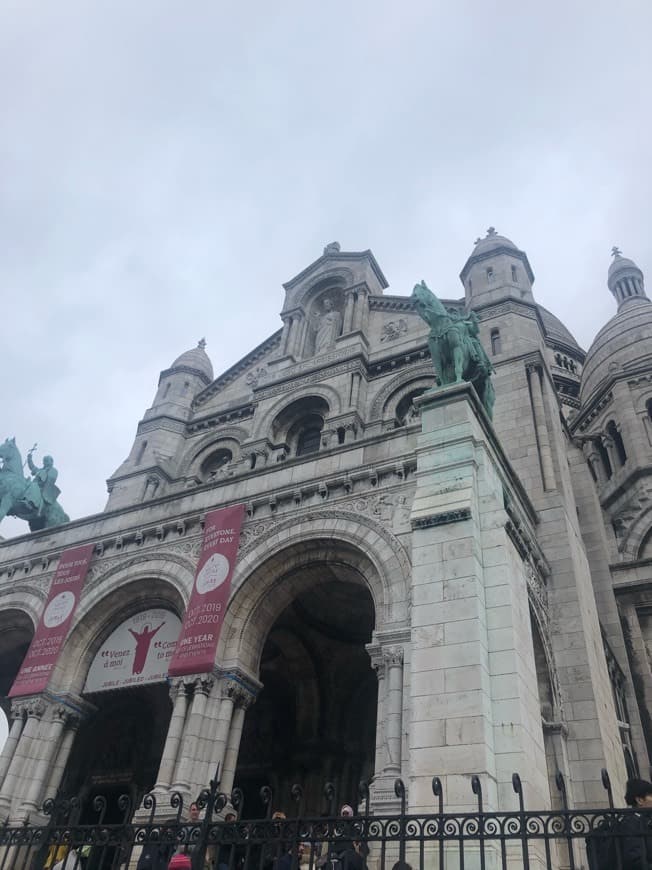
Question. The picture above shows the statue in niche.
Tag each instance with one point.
(328, 327)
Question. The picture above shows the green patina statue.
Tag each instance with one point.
(33, 500)
(455, 348)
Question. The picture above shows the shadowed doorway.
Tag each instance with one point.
(315, 718)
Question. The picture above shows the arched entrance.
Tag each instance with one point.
(118, 748)
(120, 742)
(315, 719)
(16, 632)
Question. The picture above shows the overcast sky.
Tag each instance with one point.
(167, 165)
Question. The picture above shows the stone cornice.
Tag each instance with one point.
(334, 259)
(220, 417)
(238, 369)
(495, 252)
(188, 370)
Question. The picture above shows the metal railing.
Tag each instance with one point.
(521, 838)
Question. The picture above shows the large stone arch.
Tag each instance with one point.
(19, 615)
(27, 598)
(637, 537)
(199, 449)
(287, 554)
(338, 276)
(421, 375)
(134, 586)
(323, 391)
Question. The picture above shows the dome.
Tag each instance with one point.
(556, 331)
(620, 344)
(621, 264)
(196, 359)
(491, 242)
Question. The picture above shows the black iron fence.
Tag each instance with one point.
(222, 838)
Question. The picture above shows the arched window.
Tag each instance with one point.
(406, 412)
(309, 440)
(167, 389)
(514, 275)
(648, 408)
(496, 344)
(616, 437)
(490, 275)
(341, 434)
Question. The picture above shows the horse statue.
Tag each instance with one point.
(35, 499)
(455, 348)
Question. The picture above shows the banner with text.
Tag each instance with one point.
(51, 632)
(197, 644)
(136, 653)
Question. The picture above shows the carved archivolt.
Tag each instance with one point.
(277, 550)
(417, 377)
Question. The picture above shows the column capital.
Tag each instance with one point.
(393, 656)
(18, 709)
(201, 683)
(241, 695)
(35, 708)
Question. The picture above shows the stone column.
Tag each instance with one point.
(393, 659)
(381, 755)
(595, 461)
(19, 765)
(192, 731)
(298, 338)
(230, 691)
(610, 447)
(48, 747)
(175, 730)
(286, 335)
(73, 720)
(355, 389)
(358, 316)
(18, 721)
(541, 427)
(243, 701)
(349, 303)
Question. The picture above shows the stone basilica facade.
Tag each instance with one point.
(419, 590)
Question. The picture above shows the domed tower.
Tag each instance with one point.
(178, 385)
(625, 279)
(161, 433)
(495, 270)
(615, 418)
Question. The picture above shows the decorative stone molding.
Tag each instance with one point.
(393, 656)
(394, 329)
(264, 349)
(441, 519)
(256, 376)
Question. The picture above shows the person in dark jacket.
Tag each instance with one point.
(637, 828)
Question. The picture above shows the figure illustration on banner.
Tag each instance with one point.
(143, 642)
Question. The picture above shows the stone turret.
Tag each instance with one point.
(625, 279)
(495, 270)
(161, 433)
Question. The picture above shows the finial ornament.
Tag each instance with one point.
(491, 232)
(616, 252)
(477, 241)
(332, 248)
(201, 344)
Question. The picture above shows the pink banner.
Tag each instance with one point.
(51, 632)
(202, 624)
